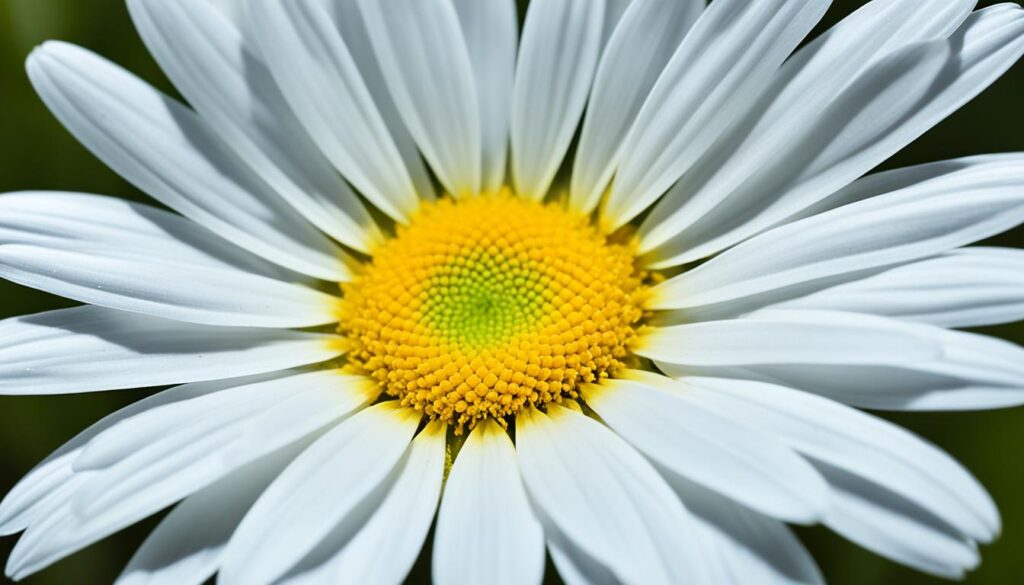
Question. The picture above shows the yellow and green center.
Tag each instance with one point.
(482, 307)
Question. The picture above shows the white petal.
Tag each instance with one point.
(969, 287)
(916, 222)
(799, 91)
(52, 480)
(870, 448)
(895, 528)
(786, 337)
(132, 257)
(644, 41)
(316, 492)
(491, 30)
(751, 547)
(606, 498)
(426, 64)
(77, 220)
(145, 463)
(227, 82)
(186, 547)
(673, 427)
(486, 532)
(166, 150)
(715, 76)
(963, 175)
(871, 120)
(91, 348)
(613, 11)
(973, 372)
(558, 54)
(574, 566)
(235, 10)
(321, 81)
(348, 18)
(959, 173)
(380, 546)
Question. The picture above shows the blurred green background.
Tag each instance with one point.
(36, 153)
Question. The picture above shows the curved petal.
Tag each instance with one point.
(491, 30)
(637, 53)
(694, 102)
(958, 173)
(486, 532)
(751, 547)
(89, 348)
(789, 337)
(143, 464)
(132, 257)
(75, 220)
(969, 287)
(672, 426)
(47, 486)
(426, 64)
(788, 109)
(186, 547)
(348, 18)
(574, 566)
(316, 492)
(227, 82)
(973, 372)
(917, 222)
(380, 546)
(613, 11)
(870, 448)
(322, 83)
(558, 54)
(606, 498)
(865, 125)
(895, 528)
(167, 151)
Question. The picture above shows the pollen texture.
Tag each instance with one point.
(482, 307)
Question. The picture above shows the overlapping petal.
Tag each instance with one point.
(558, 54)
(169, 152)
(227, 81)
(91, 348)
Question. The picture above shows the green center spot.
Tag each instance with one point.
(482, 301)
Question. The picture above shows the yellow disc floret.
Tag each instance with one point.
(479, 308)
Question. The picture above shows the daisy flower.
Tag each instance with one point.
(612, 289)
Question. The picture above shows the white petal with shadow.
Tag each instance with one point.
(491, 30)
(379, 542)
(317, 492)
(133, 257)
(558, 54)
(226, 80)
(142, 464)
(166, 150)
(672, 426)
(606, 498)
(323, 85)
(426, 64)
(635, 57)
(716, 75)
(90, 348)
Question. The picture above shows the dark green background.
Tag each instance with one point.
(36, 153)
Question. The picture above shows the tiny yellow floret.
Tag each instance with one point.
(484, 306)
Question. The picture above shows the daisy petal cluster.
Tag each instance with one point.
(613, 285)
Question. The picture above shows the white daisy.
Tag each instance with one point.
(537, 361)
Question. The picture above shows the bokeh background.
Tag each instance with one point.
(36, 153)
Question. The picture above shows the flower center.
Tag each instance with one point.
(482, 307)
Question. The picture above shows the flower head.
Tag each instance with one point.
(386, 292)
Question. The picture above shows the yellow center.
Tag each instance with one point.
(482, 307)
